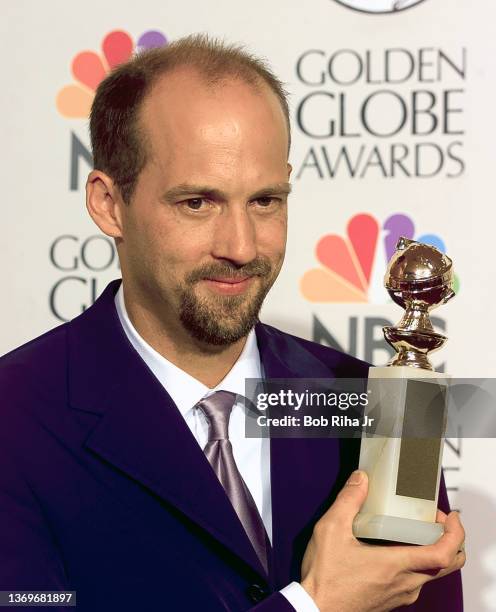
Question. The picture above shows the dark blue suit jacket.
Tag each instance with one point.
(104, 490)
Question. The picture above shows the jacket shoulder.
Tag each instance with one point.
(38, 348)
(342, 364)
(35, 369)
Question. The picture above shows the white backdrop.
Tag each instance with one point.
(393, 117)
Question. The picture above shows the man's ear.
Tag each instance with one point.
(104, 203)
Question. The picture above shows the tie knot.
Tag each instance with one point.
(217, 410)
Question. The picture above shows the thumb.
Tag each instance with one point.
(350, 499)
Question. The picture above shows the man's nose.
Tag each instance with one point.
(235, 236)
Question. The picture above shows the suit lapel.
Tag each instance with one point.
(303, 471)
(140, 430)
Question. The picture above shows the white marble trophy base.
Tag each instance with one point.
(396, 529)
(386, 515)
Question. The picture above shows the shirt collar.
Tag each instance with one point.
(184, 389)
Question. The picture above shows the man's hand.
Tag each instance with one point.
(343, 574)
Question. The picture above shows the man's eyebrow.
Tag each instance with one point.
(185, 189)
(277, 189)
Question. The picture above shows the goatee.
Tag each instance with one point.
(221, 320)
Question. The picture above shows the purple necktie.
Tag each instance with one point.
(217, 410)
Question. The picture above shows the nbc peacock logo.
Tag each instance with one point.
(89, 68)
(347, 264)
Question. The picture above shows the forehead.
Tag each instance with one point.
(183, 111)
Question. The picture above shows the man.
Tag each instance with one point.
(113, 483)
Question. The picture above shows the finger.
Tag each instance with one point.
(349, 500)
(441, 554)
(412, 596)
(458, 563)
(410, 591)
(441, 516)
(414, 581)
(461, 547)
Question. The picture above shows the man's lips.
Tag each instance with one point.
(233, 281)
(229, 285)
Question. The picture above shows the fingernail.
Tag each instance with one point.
(355, 478)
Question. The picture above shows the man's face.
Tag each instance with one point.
(204, 235)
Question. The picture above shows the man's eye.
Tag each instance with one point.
(194, 203)
(267, 201)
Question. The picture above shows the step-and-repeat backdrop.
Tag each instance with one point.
(393, 128)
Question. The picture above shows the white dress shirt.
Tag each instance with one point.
(252, 455)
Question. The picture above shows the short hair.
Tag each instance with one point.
(119, 146)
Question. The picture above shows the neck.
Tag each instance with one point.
(207, 363)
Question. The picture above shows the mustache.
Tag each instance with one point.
(257, 267)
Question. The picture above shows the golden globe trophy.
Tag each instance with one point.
(402, 455)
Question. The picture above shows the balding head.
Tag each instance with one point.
(119, 145)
